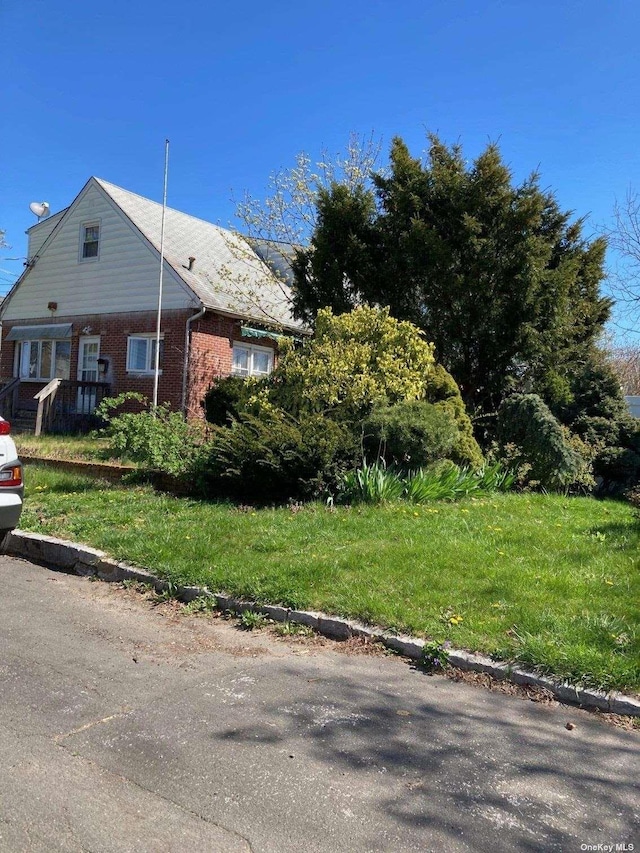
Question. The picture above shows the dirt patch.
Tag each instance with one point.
(534, 694)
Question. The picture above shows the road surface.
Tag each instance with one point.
(129, 727)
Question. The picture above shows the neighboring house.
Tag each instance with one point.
(633, 402)
(85, 309)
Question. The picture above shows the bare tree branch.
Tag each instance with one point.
(625, 362)
(288, 213)
(624, 238)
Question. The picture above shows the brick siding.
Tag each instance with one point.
(212, 338)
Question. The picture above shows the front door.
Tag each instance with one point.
(88, 354)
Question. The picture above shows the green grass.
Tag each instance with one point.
(84, 448)
(551, 581)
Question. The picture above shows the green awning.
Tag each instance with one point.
(55, 332)
(251, 332)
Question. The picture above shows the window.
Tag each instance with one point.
(141, 353)
(90, 240)
(249, 360)
(44, 360)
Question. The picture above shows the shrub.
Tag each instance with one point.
(584, 480)
(597, 431)
(228, 399)
(526, 422)
(275, 457)
(415, 432)
(619, 468)
(595, 392)
(157, 441)
(442, 390)
(353, 362)
(630, 433)
(597, 412)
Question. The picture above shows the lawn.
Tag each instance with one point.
(550, 581)
(84, 448)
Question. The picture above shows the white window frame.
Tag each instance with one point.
(150, 364)
(18, 358)
(252, 348)
(94, 223)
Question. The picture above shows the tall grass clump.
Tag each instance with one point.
(375, 483)
(372, 484)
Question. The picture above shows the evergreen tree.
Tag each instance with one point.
(497, 276)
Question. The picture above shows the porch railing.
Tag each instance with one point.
(9, 398)
(46, 398)
(65, 405)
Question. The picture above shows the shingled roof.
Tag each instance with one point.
(229, 274)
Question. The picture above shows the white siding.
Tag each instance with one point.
(124, 277)
(37, 234)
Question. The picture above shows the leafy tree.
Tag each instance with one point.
(289, 213)
(496, 275)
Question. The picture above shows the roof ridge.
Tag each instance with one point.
(47, 219)
(106, 184)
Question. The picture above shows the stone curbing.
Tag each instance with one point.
(82, 560)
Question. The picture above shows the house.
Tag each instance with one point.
(85, 309)
(633, 402)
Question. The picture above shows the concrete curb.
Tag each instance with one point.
(82, 560)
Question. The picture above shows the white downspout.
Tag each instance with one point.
(187, 349)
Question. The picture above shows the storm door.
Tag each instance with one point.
(88, 354)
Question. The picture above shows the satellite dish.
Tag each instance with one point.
(39, 209)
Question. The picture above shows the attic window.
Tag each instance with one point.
(90, 240)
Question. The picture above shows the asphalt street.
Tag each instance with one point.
(129, 727)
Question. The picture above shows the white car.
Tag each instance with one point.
(11, 485)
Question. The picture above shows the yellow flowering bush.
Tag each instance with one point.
(354, 361)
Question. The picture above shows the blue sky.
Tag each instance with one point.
(241, 88)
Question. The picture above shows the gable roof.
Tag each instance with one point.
(228, 274)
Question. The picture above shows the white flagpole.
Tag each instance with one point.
(164, 210)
